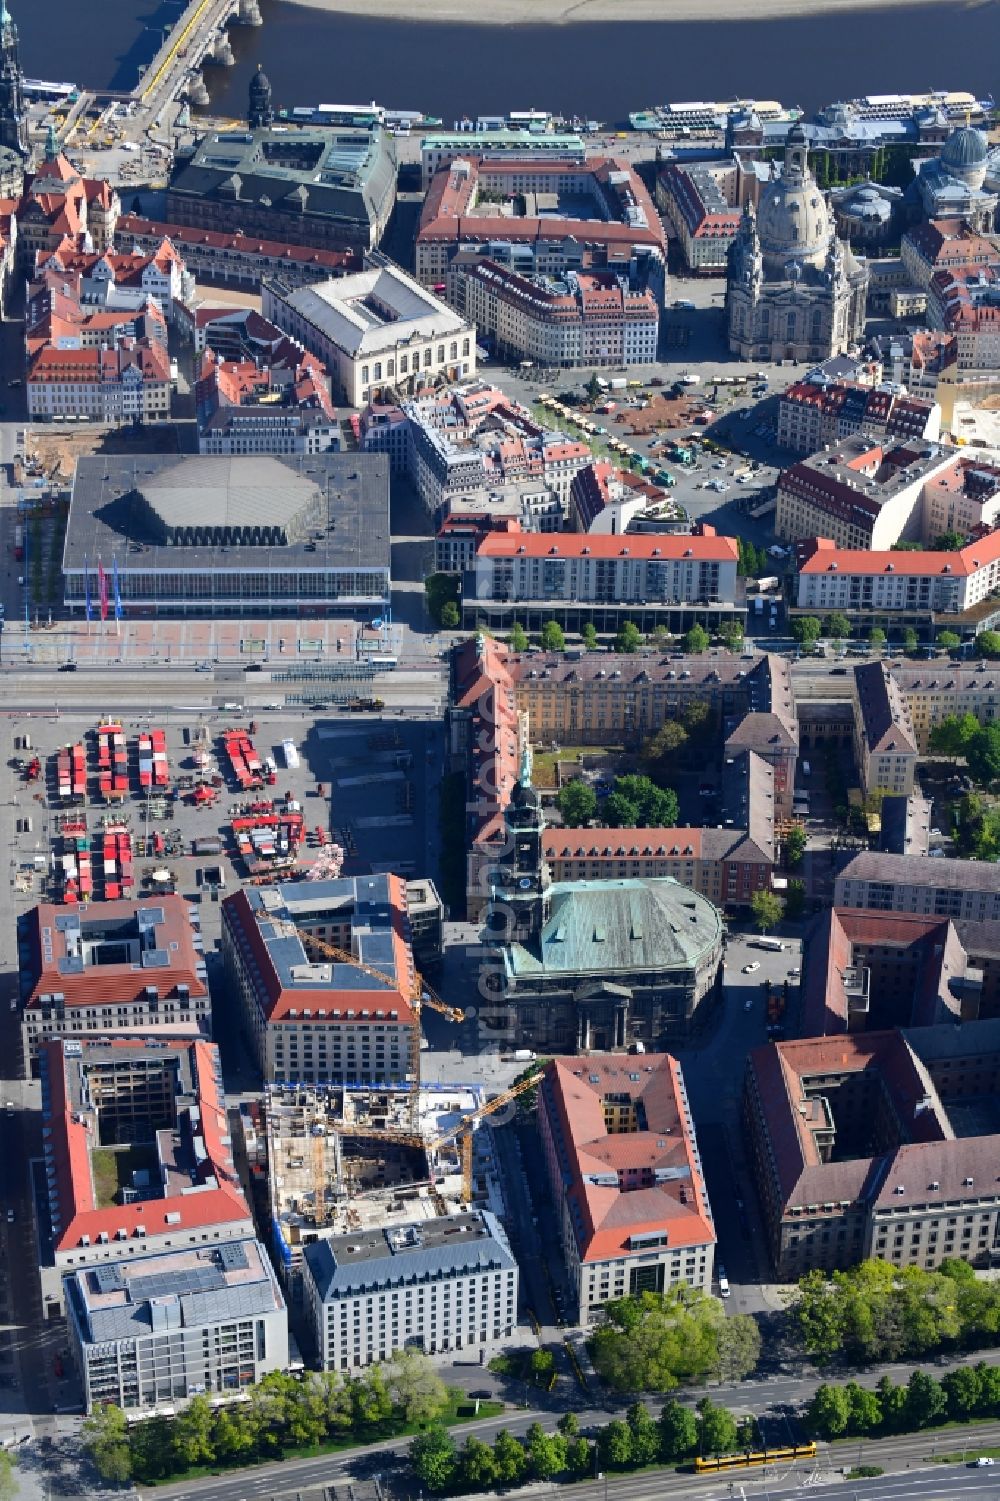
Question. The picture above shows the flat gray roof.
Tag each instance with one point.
(429, 1249)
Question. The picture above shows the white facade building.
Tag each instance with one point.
(376, 330)
(835, 579)
(444, 1284)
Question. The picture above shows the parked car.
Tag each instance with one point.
(752, 967)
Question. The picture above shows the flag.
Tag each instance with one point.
(117, 590)
(86, 587)
(102, 589)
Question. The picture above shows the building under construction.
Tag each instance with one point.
(344, 1161)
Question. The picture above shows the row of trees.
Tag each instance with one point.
(635, 802)
(629, 639)
(807, 629)
(978, 828)
(655, 1341)
(963, 735)
(876, 1312)
(282, 1413)
(851, 1410)
(638, 1439)
(752, 561)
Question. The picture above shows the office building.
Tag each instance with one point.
(704, 203)
(376, 331)
(541, 218)
(885, 747)
(874, 1145)
(149, 1334)
(966, 889)
(625, 1175)
(236, 259)
(330, 189)
(282, 406)
(933, 691)
(114, 968)
(439, 1285)
(218, 535)
(137, 1151)
(316, 1019)
(574, 578)
(583, 319)
(441, 149)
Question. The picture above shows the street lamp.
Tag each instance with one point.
(603, 1475)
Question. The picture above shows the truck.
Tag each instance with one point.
(19, 543)
(770, 582)
(758, 605)
(290, 754)
(618, 383)
(523, 1055)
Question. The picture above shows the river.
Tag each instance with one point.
(590, 69)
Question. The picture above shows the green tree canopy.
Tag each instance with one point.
(948, 640)
(552, 636)
(697, 641)
(678, 1432)
(546, 1452)
(732, 635)
(577, 802)
(615, 1445)
(415, 1387)
(717, 1428)
(766, 909)
(988, 643)
(451, 617)
(477, 1465)
(9, 1484)
(645, 1435)
(636, 802)
(509, 1458)
(656, 1340)
(953, 735)
(795, 845)
(434, 1458)
(629, 638)
(983, 754)
(876, 636)
(795, 900)
(837, 626)
(910, 639)
(829, 1411)
(806, 629)
(105, 1437)
(589, 636)
(518, 638)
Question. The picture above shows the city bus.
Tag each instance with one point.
(752, 1457)
(773, 945)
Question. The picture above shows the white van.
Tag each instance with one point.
(724, 1288)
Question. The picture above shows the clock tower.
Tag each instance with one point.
(519, 908)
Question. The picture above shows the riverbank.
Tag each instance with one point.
(568, 12)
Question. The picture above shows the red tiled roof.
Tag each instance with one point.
(709, 549)
(824, 558)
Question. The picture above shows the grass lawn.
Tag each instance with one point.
(543, 764)
(959, 1457)
(113, 1168)
(459, 1410)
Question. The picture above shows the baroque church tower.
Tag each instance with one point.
(13, 115)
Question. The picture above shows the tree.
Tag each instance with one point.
(546, 1452)
(963, 1389)
(105, 1436)
(477, 1465)
(738, 1347)
(434, 1458)
(926, 1400)
(440, 589)
(415, 1387)
(569, 1425)
(909, 639)
(766, 908)
(577, 802)
(948, 640)
(953, 735)
(509, 1458)
(579, 1459)
(589, 636)
(192, 1433)
(615, 1445)
(876, 636)
(806, 630)
(653, 1341)
(553, 637)
(949, 542)
(629, 638)
(732, 635)
(717, 1428)
(678, 1432)
(837, 626)
(518, 638)
(9, 1485)
(983, 754)
(232, 1434)
(795, 845)
(594, 387)
(697, 720)
(660, 749)
(636, 802)
(988, 643)
(543, 1364)
(865, 1409)
(645, 1435)
(795, 900)
(697, 641)
(829, 1411)
(451, 617)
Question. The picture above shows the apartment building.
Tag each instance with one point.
(129, 384)
(138, 1157)
(649, 578)
(582, 319)
(517, 507)
(944, 245)
(932, 691)
(966, 889)
(557, 216)
(814, 414)
(113, 969)
(855, 1155)
(860, 494)
(235, 259)
(149, 1334)
(704, 201)
(282, 407)
(113, 279)
(885, 747)
(311, 1017)
(438, 1285)
(375, 330)
(915, 585)
(608, 500)
(620, 1150)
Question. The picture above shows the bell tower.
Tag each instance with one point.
(13, 116)
(520, 904)
(260, 113)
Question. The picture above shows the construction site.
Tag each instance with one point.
(340, 1161)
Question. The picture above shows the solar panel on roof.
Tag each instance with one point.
(108, 1279)
(233, 1258)
(202, 1279)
